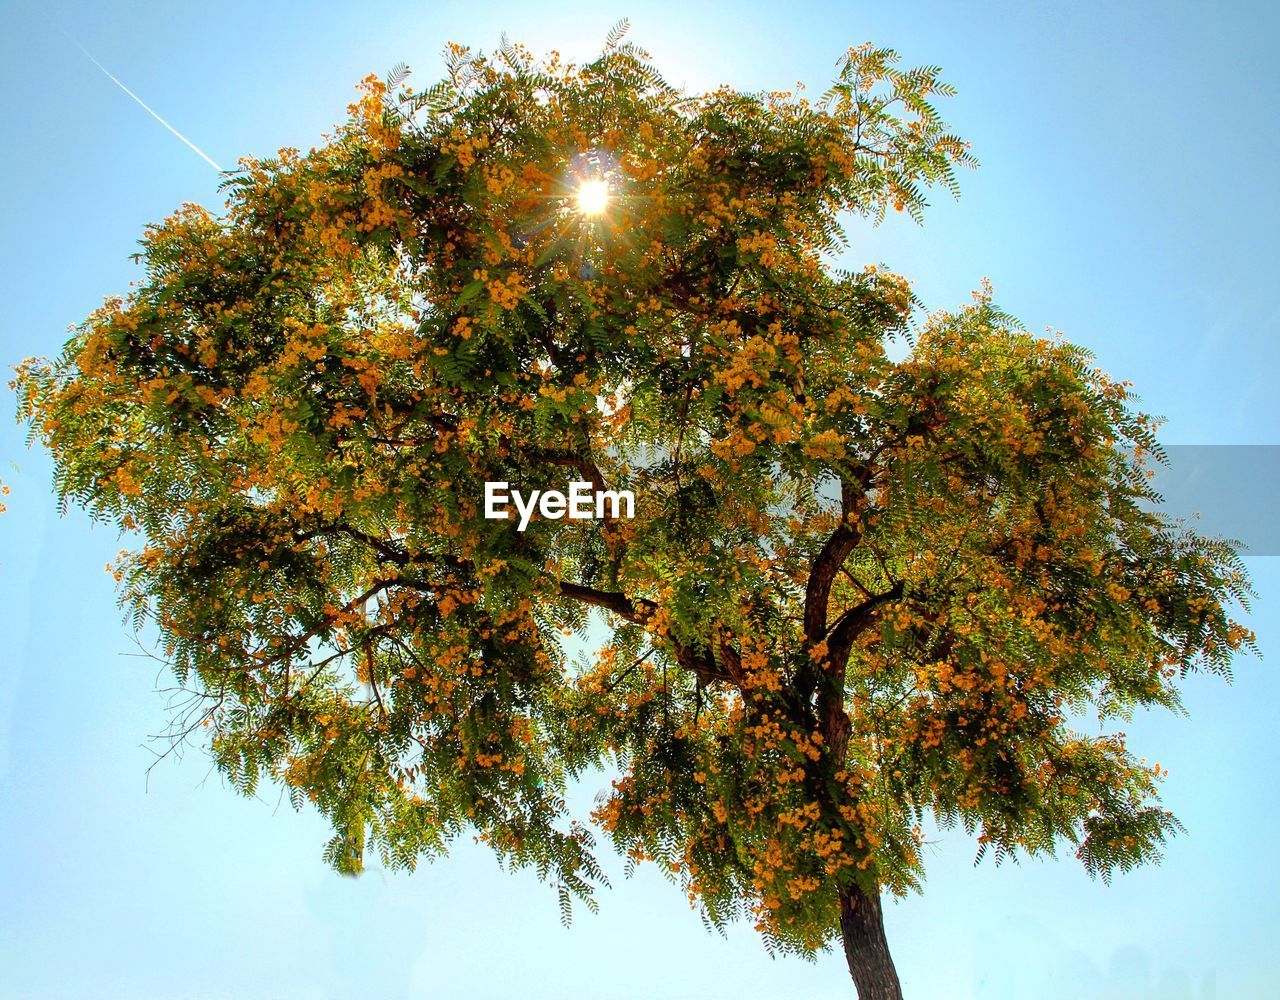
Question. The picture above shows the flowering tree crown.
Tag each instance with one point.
(859, 588)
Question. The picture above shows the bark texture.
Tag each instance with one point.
(865, 947)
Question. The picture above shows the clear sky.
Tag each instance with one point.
(1128, 196)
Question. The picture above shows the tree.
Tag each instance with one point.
(856, 592)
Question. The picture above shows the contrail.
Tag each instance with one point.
(143, 104)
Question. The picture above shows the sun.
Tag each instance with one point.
(593, 197)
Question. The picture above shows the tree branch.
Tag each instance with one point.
(852, 624)
(611, 600)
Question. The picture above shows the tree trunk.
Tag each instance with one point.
(865, 947)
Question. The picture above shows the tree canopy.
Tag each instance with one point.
(863, 586)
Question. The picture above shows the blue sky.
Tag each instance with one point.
(1127, 196)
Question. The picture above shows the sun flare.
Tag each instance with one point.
(593, 197)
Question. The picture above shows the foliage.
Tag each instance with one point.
(856, 591)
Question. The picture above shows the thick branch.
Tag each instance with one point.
(830, 558)
(852, 624)
(699, 661)
(832, 717)
(611, 600)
